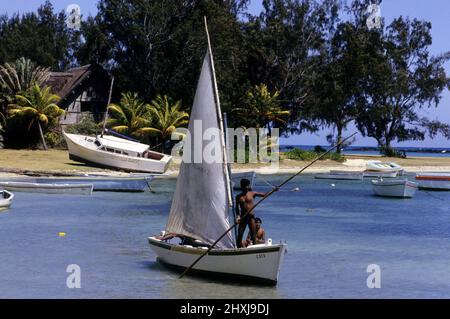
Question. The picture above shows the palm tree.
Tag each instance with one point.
(21, 75)
(167, 117)
(262, 108)
(131, 116)
(38, 106)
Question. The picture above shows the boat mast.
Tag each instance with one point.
(227, 143)
(107, 106)
(219, 114)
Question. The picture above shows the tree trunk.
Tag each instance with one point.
(42, 136)
(339, 139)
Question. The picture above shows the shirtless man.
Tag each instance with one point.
(244, 202)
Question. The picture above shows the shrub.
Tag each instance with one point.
(391, 152)
(87, 126)
(302, 155)
(55, 140)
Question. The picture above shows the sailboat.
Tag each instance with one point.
(199, 214)
(117, 152)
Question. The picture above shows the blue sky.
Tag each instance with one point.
(436, 11)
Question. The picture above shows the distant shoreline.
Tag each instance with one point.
(56, 162)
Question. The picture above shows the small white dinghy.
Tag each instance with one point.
(202, 202)
(5, 199)
(77, 189)
(401, 188)
(379, 166)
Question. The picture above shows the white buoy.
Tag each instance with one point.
(296, 189)
(333, 185)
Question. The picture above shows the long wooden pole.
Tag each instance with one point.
(262, 199)
(107, 106)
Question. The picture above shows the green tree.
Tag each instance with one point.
(38, 107)
(336, 85)
(167, 117)
(283, 49)
(401, 78)
(130, 116)
(41, 36)
(20, 76)
(262, 109)
(136, 39)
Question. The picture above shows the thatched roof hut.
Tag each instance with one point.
(83, 89)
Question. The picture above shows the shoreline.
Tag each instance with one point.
(57, 163)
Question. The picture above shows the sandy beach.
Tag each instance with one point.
(57, 162)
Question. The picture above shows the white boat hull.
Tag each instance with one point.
(81, 189)
(6, 199)
(82, 149)
(434, 181)
(340, 176)
(399, 188)
(100, 183)
(260, 263)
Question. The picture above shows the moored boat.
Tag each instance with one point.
(434, 181)
(6, 199)
(100, 183)
(78, 189)
(394, 188)
(340, 176)
(114, 152)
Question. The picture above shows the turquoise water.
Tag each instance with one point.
(333, 234)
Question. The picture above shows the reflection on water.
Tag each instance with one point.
(333, 234)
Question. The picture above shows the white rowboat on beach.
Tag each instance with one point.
(378, 166)
(79, 189)
(394, 188)
(6, 199)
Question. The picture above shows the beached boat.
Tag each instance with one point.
(394, 188)
(236, 179)
(434, 181)
(6, 199)
(378, 166)
(114, 152)
(78, 189)
(100, 183)
(340, 176)
(202, 203)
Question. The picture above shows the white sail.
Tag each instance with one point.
(200, 204)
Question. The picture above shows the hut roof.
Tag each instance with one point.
(63, 83)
